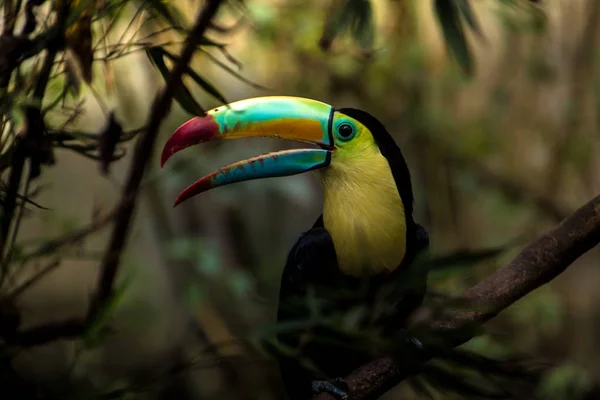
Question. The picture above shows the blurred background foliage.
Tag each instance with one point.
(498, 122)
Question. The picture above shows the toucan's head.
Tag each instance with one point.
(347, 138)
(367, 190)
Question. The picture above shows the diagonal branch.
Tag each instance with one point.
(72, 328)
(75, 327)
(141, 157)
(539, 263)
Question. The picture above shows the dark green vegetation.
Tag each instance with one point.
(497, 158)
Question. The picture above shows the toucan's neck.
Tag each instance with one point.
(364, 214)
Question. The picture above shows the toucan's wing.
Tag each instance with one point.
(311, 262)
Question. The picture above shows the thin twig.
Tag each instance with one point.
(113, 22)
(32, 135)
(52, 246)
(20, 212)
(67, 329)
(38, 275)
(141, 158)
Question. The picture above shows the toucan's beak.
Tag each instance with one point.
(292, 118)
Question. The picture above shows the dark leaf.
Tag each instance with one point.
(517, 368)
(12, 50)
(223, 49)
(233, 73)
(73, 81)
(203, 83)
(98, 327)
(231, 58)
(420, 388)
(226, 29)
(182, 94)
(30, 21)
(163, 10)
(79, 38)
(109, 138)
(209, 42)
(337, 22)
(449, 16)
(464, 257)
(112, 10)
(452, 381)
(475, 375)
(362, 28)
(467, 12)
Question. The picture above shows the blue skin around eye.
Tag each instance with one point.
(280, 165)
(340, 121)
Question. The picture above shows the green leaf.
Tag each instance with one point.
(232, 72)
(567, 381)
(464, 258)
(420, 387)
(182, 95)
(162, 9)
(363, 29)
(337, 22)
(209, 42)
(112, 10)
(240, 283)
(202, 82)
(356, 15)
(98, 327)
(194, 295)
(467, 12)
(449, 16)
(75, 12)
(208, 261)
(183, 248)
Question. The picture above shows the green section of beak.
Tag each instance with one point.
(283, 117)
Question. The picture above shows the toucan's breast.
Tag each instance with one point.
(364, 214)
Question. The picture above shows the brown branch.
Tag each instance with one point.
(141, 157)
(28, 145)
(10, 318)
(75, 327)
(42, 334)
(539, 263)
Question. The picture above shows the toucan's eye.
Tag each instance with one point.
(346, 131)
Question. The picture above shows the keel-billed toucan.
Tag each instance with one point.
(365, 240)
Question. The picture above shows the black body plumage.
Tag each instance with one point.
(311, 276)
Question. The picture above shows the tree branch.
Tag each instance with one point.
(28, 144)
(141, 157)
(74, 328)
(68, 329)
(539, 263)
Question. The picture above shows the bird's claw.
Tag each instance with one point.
(337, 387)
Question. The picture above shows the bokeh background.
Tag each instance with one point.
(497, 157)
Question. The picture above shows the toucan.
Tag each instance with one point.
(357, 256)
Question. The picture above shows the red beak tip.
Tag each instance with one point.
(163, 160)
(180, 199)
(194, 131)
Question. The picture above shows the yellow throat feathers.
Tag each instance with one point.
(363, 211)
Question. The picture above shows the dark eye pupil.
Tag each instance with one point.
(345, 130)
